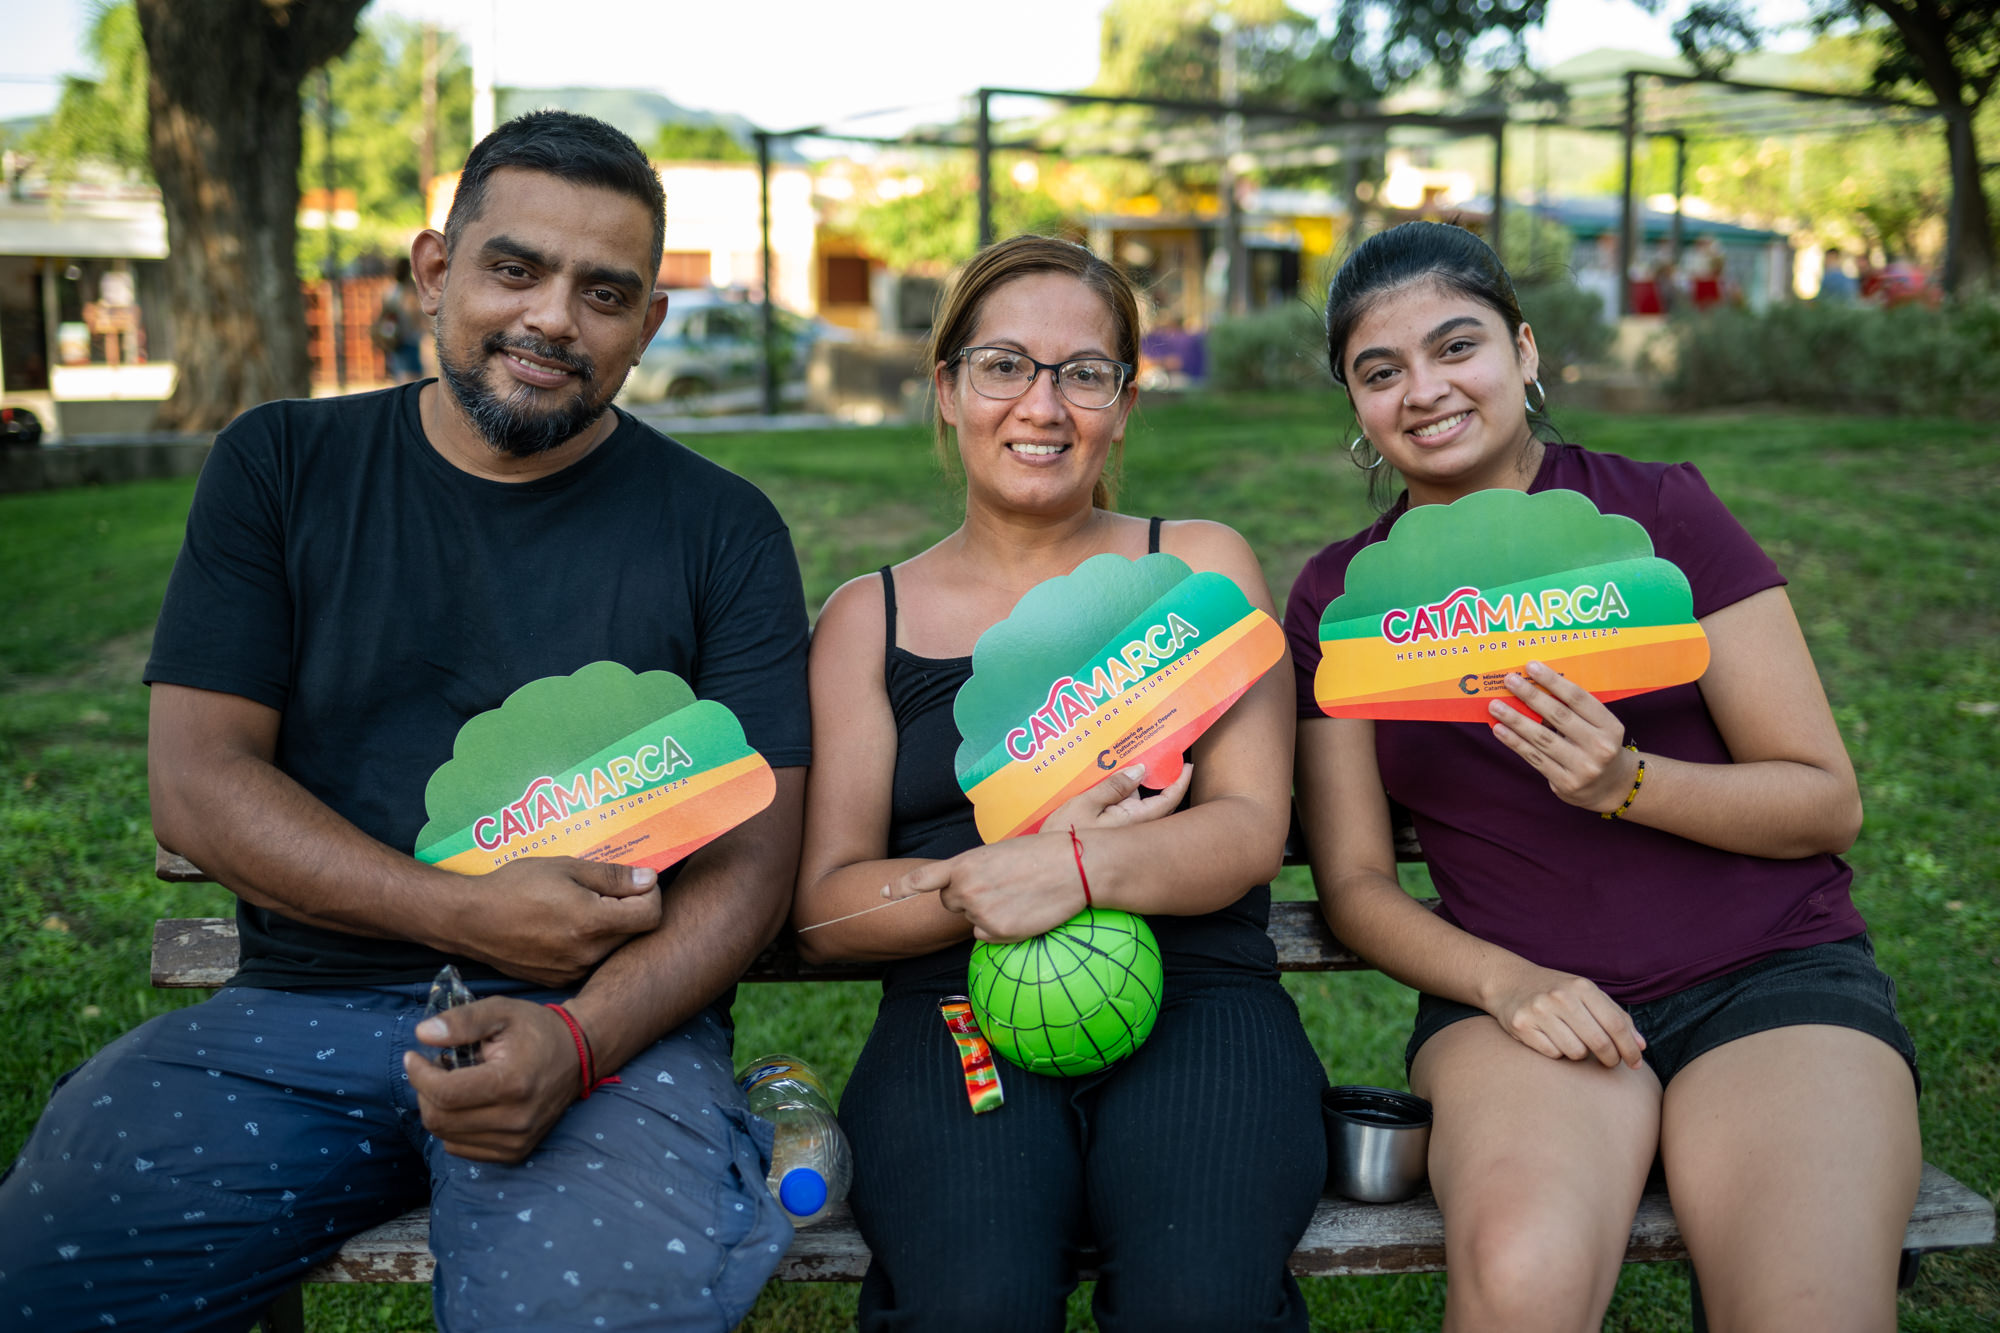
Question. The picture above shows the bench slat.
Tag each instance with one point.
(200, 952)
(1344, 1238)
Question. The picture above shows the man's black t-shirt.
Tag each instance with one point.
(340, 570)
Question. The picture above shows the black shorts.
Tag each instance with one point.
(1835, 983)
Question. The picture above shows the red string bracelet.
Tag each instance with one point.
(1076, 846)
(586, 1064)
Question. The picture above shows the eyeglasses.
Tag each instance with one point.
(1086, 381)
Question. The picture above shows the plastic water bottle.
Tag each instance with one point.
(811, 1164)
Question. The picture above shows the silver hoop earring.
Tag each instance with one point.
(1354, 454)
(1535, 389)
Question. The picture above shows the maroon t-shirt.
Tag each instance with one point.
(1640, 912)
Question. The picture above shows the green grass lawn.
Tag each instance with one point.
(1889, 531)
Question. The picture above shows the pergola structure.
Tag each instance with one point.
(1636, 103)
(1199, 131)
(1632, 103)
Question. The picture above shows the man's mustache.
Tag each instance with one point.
(581, 366)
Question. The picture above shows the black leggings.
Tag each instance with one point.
(1193, 1166)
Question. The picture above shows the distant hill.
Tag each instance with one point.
(633, 110)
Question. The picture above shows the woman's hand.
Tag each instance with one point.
(1011, 890)
(1567, 1018)
(1578, 745)
(1116, 802)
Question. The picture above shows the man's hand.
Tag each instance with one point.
(499, 1109)
(551, 919)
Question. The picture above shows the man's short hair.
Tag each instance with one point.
(570, 147)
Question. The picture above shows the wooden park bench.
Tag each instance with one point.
(1343, 1238)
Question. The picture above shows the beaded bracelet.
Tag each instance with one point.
(1638, 781)
(1076, 845)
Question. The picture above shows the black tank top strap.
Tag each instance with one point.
(1153, 535)
(889, 609)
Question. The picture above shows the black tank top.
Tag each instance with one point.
(930, 817)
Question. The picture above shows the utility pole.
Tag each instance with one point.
(427, 146)
(484, 38)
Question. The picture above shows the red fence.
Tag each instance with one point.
(360, 307)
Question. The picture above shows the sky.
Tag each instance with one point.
(783, 64)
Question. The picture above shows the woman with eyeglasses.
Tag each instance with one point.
(1645, 944)
(1192, 1166)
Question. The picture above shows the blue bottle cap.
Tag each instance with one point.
(802, 1191)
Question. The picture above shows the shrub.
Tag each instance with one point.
(1569, 324)
(1285, 347)
(1854, 358)
(1280, 348)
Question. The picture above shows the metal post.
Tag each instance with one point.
(51, 321)
(1237, 291)
(1628, 215)
(333, 304)
(1350, 169)
(1542, 196)
(764, 232)
(1499, 175)
(985, 169)
(1680, 189)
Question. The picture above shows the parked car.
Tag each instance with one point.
(712, 343)
(19, 426)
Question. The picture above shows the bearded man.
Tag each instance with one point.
(360, 577)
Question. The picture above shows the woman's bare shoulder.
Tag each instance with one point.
(1206, 544)
(855, 613)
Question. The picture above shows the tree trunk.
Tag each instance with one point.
(224, 99)
(1928, 40)
(1968, 243)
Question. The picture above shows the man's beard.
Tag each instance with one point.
(514, 425)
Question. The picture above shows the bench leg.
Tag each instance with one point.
(1906, 1272)
(1697, 1317)
(287, 1314)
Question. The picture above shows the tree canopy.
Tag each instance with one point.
(937, 225)
(101, 119)
(379, 128)
(684, 141)
(1947, 49)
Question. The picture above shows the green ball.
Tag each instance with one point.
(1074, 1000)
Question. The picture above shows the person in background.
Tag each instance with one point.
(1645, 943)
(1837, 286)
(1192, 1165)
(399, 327)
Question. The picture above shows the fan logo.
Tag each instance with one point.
(547, 800)
(1070, 700)
(1467, 612)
